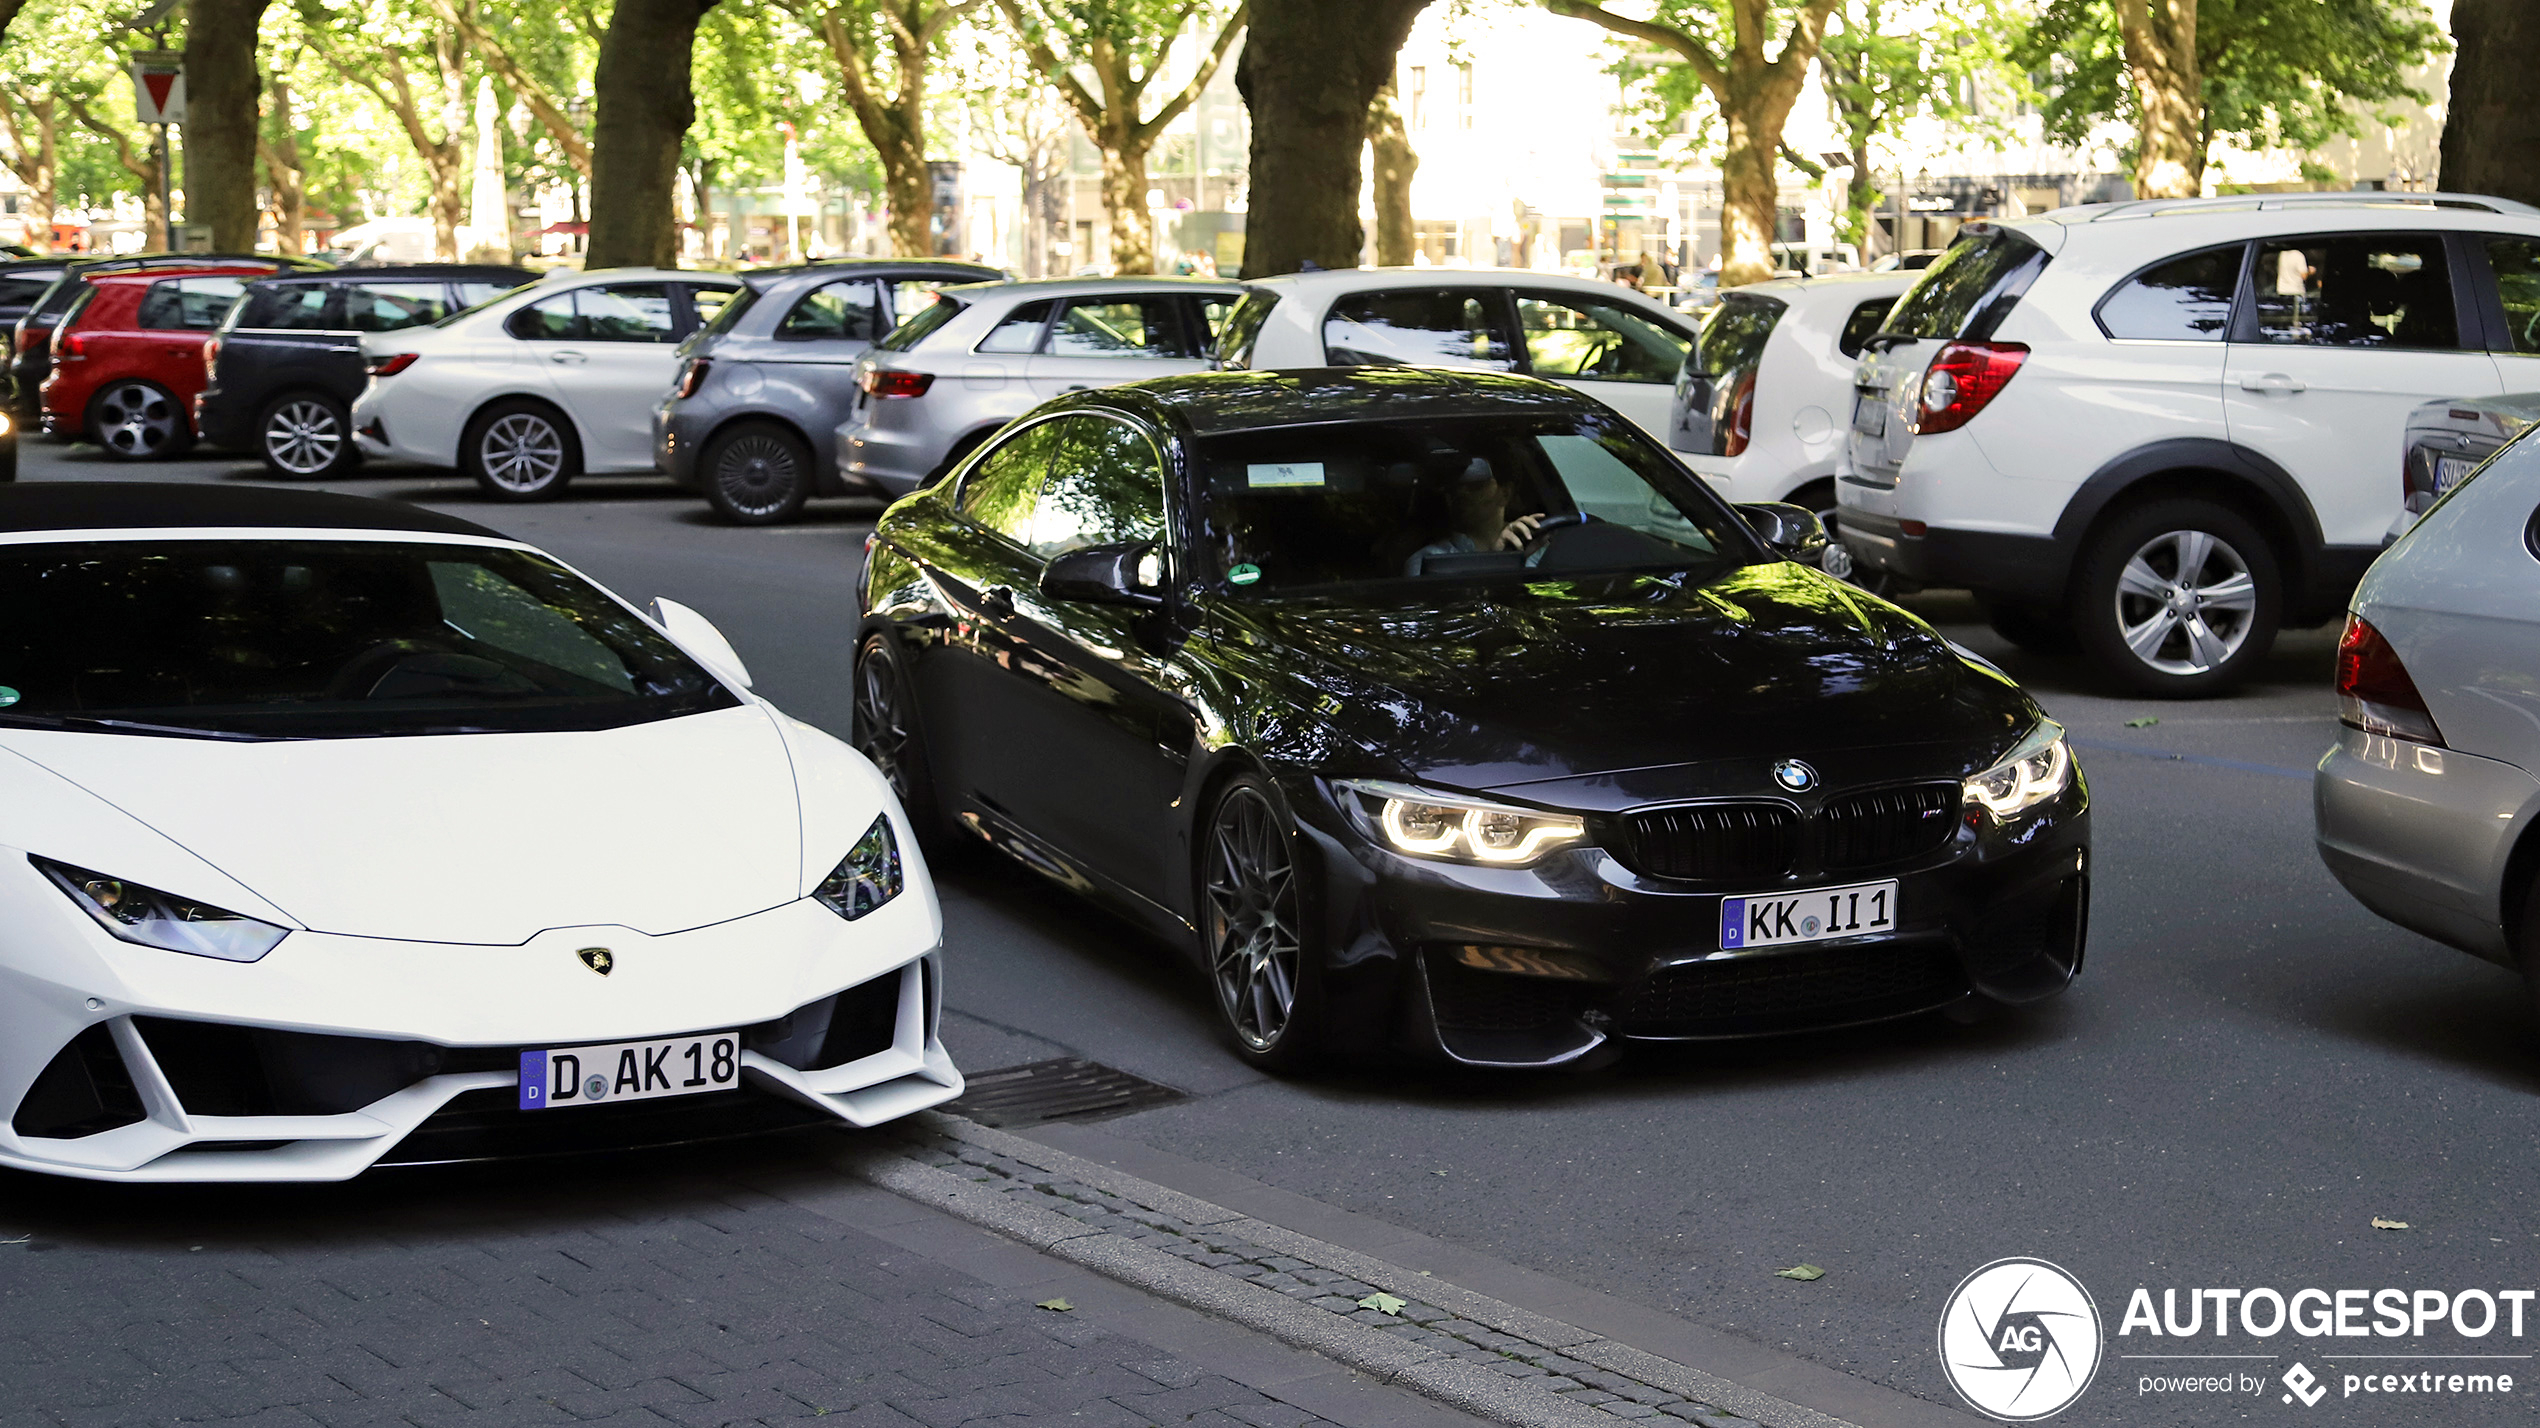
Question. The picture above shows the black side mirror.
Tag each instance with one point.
(1794, 532)
(1129, 573)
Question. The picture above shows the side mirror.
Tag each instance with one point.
(1794, 532)
(697, 635)
(1129, 573)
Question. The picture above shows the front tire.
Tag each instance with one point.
(1254, 927)
(2179, 599)
(886, 731)
(756, 474)
(520, 451)
(133, 420)
(304, 436)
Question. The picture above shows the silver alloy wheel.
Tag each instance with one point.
(757, 473)
(522, 452)
(303, 436)
(136, 419)
(2185, 602)
(1255, 951)
(1836, 558)
(881, 730)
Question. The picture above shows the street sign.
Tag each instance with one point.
(158, 86)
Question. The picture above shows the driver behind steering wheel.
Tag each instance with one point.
(1477, 518)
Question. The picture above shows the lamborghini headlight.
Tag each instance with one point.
(1429, 824)
(867, 877)
(170, 923)
(2039, 767)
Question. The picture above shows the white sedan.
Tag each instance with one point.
(546, 382)
(335, 832)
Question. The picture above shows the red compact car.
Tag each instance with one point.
(128, 357)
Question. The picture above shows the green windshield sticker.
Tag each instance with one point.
(1284, 473)
(1240, 575)
(8, 696)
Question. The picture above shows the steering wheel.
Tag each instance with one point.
(1546, 528)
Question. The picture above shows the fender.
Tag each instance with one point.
(2161, 458)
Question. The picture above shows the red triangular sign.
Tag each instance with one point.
(158, 82)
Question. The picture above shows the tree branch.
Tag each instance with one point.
(1088, 109)
(1706, 67)
(1191, 92)
(541, 100)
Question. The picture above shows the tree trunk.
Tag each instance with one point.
(220, 120)
(1389, 144)
(2492, 128)
(449, 202)
(701, 180)
(2169, 90)
(908, 189)
(1124, 203)
(284, 176)
(643, 106)
(1750, 199)
(1310, 69)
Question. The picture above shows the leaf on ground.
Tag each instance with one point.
(1800, 1271)
(2146, 722)
(2379, 1223)
(1060, 1305)
(1383, 1303)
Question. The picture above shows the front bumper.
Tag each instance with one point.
(335, 1053)
(1542, 965)
(2421, 835)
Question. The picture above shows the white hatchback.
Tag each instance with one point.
(546, 382)
(1607, 341)
(2163, 428)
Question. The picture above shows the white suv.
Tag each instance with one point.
(2163, 428)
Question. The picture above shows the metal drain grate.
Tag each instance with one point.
(1067, 1089)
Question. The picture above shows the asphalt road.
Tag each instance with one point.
(2250, 1070)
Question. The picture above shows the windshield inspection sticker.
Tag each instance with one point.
(1284, 473)
(1243, 574)
(8, 696)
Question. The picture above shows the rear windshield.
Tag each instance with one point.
(1733, 337)
(316, 639)
(729, 315)
(1970, 288)
(1462, 499)
(921, 324)
(58, 298)
(20, 293)
(295, 307)
(1242, 327)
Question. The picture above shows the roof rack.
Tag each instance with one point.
(2264, 202)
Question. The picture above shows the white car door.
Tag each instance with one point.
(1624, 358)
(2515, 262)
(609, 368)
(2350, 332)
(1112, 338)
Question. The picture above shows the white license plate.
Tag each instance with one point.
(629, 1071)
(1780, 919)
(2449, 471)
(1869, 415)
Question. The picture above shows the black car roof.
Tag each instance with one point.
(1215, 403)
(396, 272)
(136, 262)
(142, 505)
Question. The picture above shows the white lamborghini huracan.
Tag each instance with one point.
(336, 832)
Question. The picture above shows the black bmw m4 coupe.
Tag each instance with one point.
(1446, 710)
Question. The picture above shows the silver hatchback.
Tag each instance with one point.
(2428, 808)
(981, 356)
(761, 388)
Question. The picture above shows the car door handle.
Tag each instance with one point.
(568, 357)
(2272, 382)
(997, 600)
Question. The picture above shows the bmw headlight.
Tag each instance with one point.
(867, 877)
(1458, 828)
(170, 923)
(2039, 767)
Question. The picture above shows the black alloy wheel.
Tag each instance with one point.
(303, 436)
(1253, 930)
(520, 451)
(885, 730)
(757, 474)
(137, 421)
(2178, 598)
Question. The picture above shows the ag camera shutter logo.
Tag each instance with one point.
(2020, 1340)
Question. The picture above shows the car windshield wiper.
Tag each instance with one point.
(135, 726)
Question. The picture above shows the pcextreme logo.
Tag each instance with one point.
(2020, 1340)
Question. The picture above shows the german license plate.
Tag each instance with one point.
(1869, 414)
(2450, 471)
(1780, 919)
(629, 1071)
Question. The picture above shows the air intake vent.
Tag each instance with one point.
(85, 1089)
(1887, 825)
(1735, 842)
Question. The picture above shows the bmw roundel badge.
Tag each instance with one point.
(1794, 776)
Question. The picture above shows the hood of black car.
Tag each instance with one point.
(1490, 686)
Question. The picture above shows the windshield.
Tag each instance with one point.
(325, 640)
(1453, 500)
(1969, 288)
(920, 325)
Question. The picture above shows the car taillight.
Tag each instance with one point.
(1741, 424)
(693, 375)
(2374, 693)
(71, 347)
(886, 382)
(392, 364)
(211, 357)
(1962, 378)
